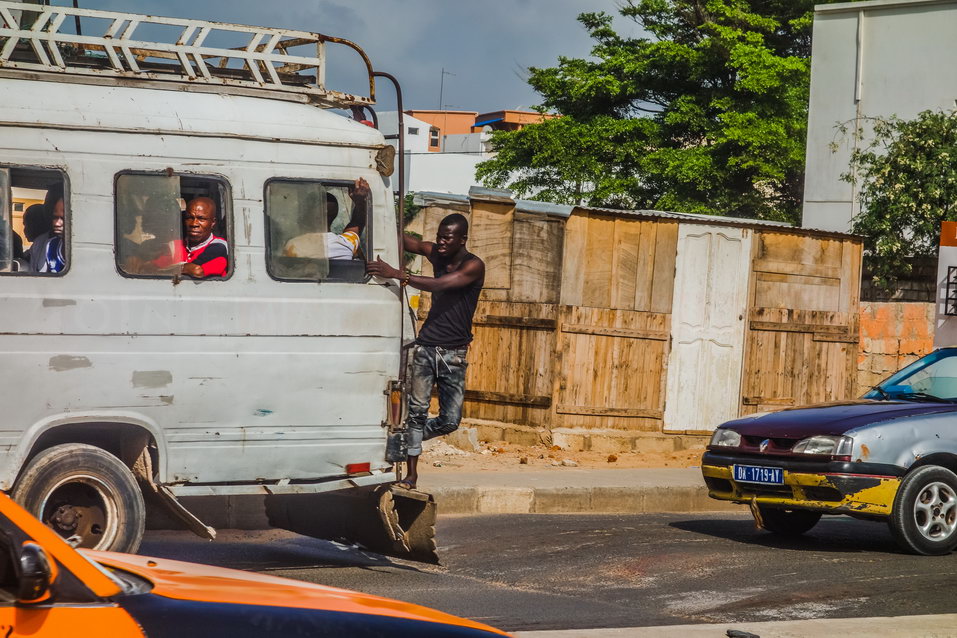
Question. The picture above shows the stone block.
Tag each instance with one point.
(562, 500)
(456, 500)
(610, 444)
(568, 441)
(505, 500)
(465, 438)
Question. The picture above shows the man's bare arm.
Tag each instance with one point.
(472, 271)
(417, 246)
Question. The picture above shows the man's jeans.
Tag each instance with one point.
(445, 367)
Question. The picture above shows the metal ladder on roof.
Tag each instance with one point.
(279, 63)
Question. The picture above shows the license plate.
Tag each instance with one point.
(757, 474)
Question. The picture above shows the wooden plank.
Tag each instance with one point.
(502, 397)
(645, 266)
(773, 326)
(768, 400)
(836, 338)
(663, 281)
(616, 332)
(536, 258)
(823, 271)
(573, 259)
(490, 237)
(515, 322)
(625, 263)
(587, 410)
(598, 262)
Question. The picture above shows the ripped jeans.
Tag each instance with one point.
(445, 367)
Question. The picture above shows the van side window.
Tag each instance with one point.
(318, 231)
(33, 222)
(172, 226)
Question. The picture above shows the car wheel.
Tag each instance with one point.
(924, 517)
(787, 522)
(86, 495)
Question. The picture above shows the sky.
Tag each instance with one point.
(484, 46)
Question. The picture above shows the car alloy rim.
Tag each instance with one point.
(935, 511)
(83, 510)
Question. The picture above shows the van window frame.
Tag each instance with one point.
(345, 183)
(227, 217)
(67, 220)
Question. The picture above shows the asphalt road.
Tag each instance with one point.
(527, 572)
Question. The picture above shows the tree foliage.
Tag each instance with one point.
(705, 112)
(907, 180)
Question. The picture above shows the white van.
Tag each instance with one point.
(124, 368)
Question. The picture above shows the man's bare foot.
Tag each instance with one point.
(405, 484)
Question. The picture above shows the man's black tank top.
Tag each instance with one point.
(449, 323)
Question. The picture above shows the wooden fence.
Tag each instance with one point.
(574, 335)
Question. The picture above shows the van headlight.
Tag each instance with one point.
(825, 444)
(723, 437)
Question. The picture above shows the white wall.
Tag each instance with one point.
(878, 58)
(449, 171)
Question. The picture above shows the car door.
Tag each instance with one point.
(48, 590)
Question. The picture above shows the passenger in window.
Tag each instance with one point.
(35, 222)
(331, 245)
(47, 252)
(202, 253)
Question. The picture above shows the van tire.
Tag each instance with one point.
(84, 494)
(923, 519)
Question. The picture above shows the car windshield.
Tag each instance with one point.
(932, 378)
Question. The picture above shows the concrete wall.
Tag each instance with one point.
(893, 335)
(870, 59)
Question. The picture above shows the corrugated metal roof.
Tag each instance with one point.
(564, 211)
(712, 219)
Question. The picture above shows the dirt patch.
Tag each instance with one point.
(443, 457)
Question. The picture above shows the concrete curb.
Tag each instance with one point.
(576, 500)
(937, 626)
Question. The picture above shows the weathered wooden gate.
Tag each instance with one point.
(802, 338)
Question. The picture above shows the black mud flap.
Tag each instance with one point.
(384, 519)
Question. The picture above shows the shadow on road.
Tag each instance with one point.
(264, 551)
(832, 534)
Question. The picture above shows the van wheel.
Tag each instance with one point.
(85, 495)
(788, 522)
(924, 517)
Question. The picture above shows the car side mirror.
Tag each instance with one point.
(35, 574)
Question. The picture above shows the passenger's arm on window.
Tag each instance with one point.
(359, 193)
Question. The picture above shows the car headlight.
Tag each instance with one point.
(725, 438)
(825, 444)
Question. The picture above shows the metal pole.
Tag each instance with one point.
(441, 88)
(76, 5)
(400, 219)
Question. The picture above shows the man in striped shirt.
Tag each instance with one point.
(331, 245)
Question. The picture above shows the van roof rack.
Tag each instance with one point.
(279, 63)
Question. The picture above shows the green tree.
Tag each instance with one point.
(706, 112)
(907, 179)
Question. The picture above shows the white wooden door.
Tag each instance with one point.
(707, 326)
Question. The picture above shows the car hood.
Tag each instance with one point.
(831, 418)
(204, 583)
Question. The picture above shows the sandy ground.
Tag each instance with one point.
(439, 456)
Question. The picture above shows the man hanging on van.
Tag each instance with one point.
(439, 356)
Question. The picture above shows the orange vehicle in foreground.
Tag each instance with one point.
(50, 590)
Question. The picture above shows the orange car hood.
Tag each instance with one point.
(191, 581)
